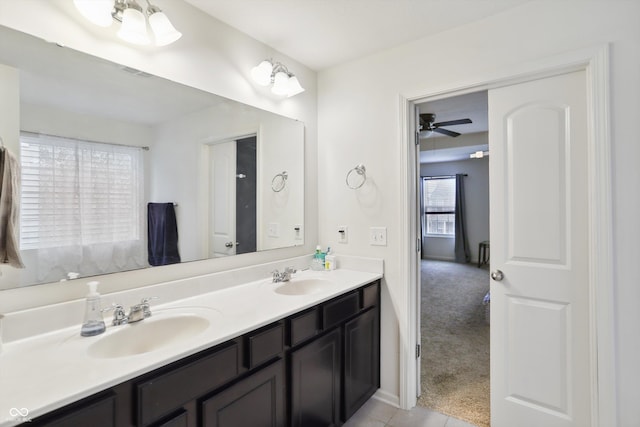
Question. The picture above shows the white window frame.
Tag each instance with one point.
(428, 213)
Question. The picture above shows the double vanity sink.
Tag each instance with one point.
(45, 372)
(171, 326)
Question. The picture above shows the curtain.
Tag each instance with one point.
(82, 207)
(461, 246)
(423, 221)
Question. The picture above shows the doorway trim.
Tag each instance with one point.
(595, 61)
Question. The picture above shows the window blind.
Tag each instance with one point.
(78, 192)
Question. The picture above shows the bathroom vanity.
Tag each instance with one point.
(313, 366)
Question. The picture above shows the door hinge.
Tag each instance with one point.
(418, 244)
(418, 349)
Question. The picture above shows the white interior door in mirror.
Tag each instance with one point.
(222, 206)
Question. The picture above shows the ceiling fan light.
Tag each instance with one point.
(261, 73)
(294, 86)
(163, 31)
(280, 83)
(98, 12)
(134, 27)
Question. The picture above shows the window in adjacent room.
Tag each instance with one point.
(440, 205)
(79, 193)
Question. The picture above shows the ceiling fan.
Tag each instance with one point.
(428, 125)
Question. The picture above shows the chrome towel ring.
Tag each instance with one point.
(356, 177)
(279, 182)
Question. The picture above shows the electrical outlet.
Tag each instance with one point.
(378, 236)
(343, 234)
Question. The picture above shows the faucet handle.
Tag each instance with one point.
(289, 270)
(119, 315)
(146, 307)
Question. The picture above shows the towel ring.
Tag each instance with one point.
(356, 181)
(279, 182)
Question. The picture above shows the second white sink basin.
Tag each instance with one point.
(148, 335)
(303, 286)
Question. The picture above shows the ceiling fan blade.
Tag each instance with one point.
(446, 132)
(454, 122)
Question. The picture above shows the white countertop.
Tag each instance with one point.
(44, 372)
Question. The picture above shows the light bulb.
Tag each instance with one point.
(163, 31)
(294, 86)
(96, 11)
(280, 83)
(261, 73)
(134, 27)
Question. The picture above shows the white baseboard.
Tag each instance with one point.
(386, 397)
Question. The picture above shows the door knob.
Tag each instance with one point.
(497, 275)
(228, 245)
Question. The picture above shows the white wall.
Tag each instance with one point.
(476, 190)
(358, 110)
(210, 56)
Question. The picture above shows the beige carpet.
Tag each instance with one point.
(455, 341)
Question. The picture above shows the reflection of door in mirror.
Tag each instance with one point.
(232, 197)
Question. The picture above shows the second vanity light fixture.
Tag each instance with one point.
(129, 13)
(284, 82)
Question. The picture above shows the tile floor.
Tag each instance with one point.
(375, 413)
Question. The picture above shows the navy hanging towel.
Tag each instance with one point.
(163, 234)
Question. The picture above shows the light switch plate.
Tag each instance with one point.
(273, 229)
(343, 234)
(378, 236)
(298, 232)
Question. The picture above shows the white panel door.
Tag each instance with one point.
(222, 209)
(540, 359)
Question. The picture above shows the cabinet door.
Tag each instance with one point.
(315, 382)
(256, 401)
(362, 360)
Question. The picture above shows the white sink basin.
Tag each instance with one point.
(148, 335)
(303, 286)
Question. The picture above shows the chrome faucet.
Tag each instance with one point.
(137, 312)
(285, 276)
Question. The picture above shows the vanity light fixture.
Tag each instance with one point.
(284, 82)
(133, 19)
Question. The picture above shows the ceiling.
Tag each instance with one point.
(324, 33)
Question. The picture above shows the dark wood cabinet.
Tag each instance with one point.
(98, 411)
(361, 361)
(315, 382)
(314, 368)
(256, 401)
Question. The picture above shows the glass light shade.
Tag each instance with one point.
(96, 11)
(134, 27)
(280, 83)
(164, 32)
(294, 86)
(261, 73)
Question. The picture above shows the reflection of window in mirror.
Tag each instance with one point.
(81, 206)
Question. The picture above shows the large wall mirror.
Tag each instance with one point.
(100, 141)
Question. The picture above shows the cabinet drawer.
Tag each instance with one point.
(340, 309)
(98, 412)
(167, 392)
(303, 326)
(370, 295)
(264, 344)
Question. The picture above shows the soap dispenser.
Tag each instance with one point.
(93, 323)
